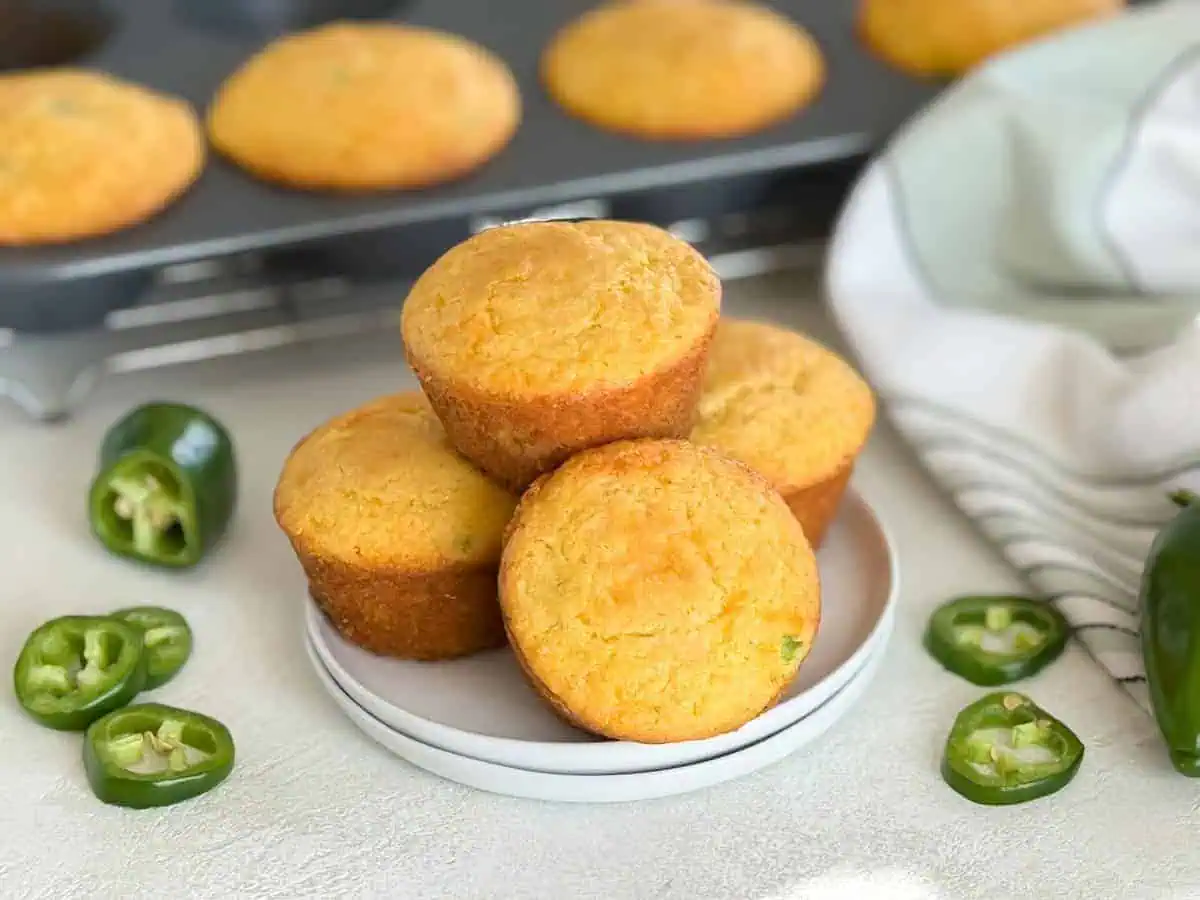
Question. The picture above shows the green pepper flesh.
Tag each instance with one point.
(75, 669)
(166, 485)
(1005, 749)
(995, 640)
(167, 638)
(1170, 633)
(151, 755)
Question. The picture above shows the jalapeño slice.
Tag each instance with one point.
(150, 755)
(995, 640)
(1005, 749)
(74, 669)
(167, 637)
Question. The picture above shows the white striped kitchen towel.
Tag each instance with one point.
(1019, 276)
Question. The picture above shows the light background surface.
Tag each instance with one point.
(315, 809)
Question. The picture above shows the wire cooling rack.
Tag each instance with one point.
(208, 310)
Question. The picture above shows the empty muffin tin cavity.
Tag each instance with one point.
(271, 18)
(40, 33)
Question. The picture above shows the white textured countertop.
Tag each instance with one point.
(315, 809)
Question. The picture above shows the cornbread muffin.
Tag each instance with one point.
(366, 107)
(790, 409)
(666, 70)
(84, 154)
(398, 535)
(536, 341)
(657, 591)
(945, 38)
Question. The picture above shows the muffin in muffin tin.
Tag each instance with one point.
(85, 154)
(947, 38)
(365, 107)
(664, 70)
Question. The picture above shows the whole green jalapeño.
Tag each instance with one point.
(1170, 633)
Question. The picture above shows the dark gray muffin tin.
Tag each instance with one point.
(555, 165)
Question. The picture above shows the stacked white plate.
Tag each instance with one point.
(477, 722)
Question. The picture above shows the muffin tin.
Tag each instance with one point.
(555, 167)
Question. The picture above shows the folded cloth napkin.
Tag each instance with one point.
(1019, 276)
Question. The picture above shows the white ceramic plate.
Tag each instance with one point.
(621, 788)
(483, 708)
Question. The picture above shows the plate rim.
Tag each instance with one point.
(610, 757)
(607, 788)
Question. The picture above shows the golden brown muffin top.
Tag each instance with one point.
(665, 69)
(783, 404)
(659, 590)
(365, 105)
(381, 486)
(555, 307)
(83, 153)
(949, 37)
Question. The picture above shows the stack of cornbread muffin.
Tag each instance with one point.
(599, 471)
